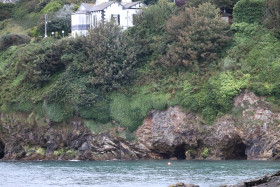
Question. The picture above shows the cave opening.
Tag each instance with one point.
(179, 152)
(237, 151)
(2, 149)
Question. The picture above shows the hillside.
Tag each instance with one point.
(184, 56)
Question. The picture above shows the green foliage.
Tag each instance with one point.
(40, 151)
(249, 11)
(149, 29)
(98, 127)
(256, 52)
(171, 57)
(129, 111)
(214, 96)
(34, 32)
(52, 6)
(99, 111)
(5, 11)
(205, 153)
(59, 152)
(13, 39)
(218, 3)
(272, 16)
(70, 153)
(196, 37)
(111, 56)
(57, 112)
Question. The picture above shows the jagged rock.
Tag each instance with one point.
(62, 142)
(169, 132)
(264, 181)
(251, 134)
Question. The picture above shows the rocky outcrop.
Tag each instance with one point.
(251, 131)
(73, 140)
(264, 181)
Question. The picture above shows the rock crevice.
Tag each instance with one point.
(2, 149)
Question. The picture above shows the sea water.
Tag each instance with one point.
(142, 173)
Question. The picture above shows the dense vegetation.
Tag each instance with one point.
(174, 55)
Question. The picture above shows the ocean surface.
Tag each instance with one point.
(151, 173)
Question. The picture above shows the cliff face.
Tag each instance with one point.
(71, 140)
(250, 132)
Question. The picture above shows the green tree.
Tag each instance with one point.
(249, 11)
(196, 36)
(5, 11)
(111, 56)
(228, 4)
(149, 28)
(272, 16)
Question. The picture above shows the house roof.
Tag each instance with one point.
(8, 1)
(86, 6)
(129, 5)
(102, 6)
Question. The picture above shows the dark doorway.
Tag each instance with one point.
(2, 149)
(237, 151)
(179, 152)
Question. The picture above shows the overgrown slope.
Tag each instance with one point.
(184, 56)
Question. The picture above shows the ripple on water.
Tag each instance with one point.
(154, 173)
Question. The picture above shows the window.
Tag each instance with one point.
(116, 18)
(94, 21)
(134, 17)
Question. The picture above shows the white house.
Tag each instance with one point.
(89, 15)
(8, 1)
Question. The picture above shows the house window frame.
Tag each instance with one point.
(116, 18)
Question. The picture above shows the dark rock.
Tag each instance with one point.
(183, 185)
(252, 132)
(265, 181)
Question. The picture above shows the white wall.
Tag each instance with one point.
(79, 19)
(79, 24)
(115, 8)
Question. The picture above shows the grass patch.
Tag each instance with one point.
(98, 127)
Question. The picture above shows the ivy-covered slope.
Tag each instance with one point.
(184, 56)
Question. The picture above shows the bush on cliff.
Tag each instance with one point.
(272, 16)
(196, 36)
(249, 11)
(100, 79)
(13, 39)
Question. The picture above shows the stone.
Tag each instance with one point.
(183, 185)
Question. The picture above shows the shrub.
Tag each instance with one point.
(205, 153)
(5, 11)
(272, 16)
(52, 6)
(56, 112)
(249, 11)
(196, 36)
(149, 28)
(110, 56)
(228, 4)
(34, 32)
(13, 39)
